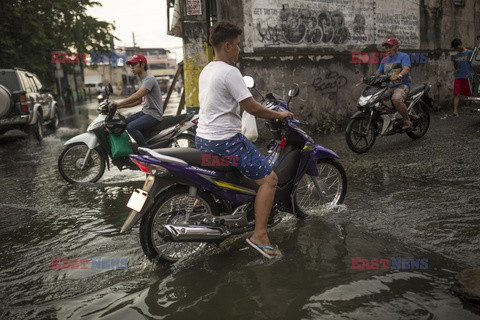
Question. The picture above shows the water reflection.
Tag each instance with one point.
(417, 210)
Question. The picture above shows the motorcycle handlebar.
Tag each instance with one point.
(111, 112)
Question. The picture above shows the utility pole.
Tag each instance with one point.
(197, 53)
(133, 36)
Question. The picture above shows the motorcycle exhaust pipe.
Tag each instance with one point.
(192, 233)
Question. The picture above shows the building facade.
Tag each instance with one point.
(327, 45)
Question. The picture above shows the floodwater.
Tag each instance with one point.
(406, 200)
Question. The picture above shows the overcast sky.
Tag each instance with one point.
(146, 18)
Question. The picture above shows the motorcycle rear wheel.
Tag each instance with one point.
(71, 160)
(360, 138)
(183, 141)
(169, 208)
(420, 117)
(332, 184)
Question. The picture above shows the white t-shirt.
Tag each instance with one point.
(221, 88)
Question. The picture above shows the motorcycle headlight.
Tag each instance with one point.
(363, 101)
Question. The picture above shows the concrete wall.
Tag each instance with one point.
(324, 69)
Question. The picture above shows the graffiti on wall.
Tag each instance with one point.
(329, 84)
(332, 23)
(297, 26)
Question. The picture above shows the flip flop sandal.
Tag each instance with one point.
(409, 127)
(261, 249)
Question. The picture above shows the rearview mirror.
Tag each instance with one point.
(108, 89)
(249, 82)
(294, 91)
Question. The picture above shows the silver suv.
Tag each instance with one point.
(26, 104)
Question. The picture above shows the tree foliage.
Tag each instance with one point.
(31, 29)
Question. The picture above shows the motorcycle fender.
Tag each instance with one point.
(319, 153)
(89, 138)
(428, 101)
(153, 190)
(33, 120)
(358, 114)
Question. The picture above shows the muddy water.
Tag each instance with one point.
(406, 199)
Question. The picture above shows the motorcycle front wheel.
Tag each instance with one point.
(359, 135)
(327, 189)
(169, 208)
(420, 117)
(75, 167)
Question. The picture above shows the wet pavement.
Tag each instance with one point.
(406, 200)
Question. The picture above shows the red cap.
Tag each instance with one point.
(391, 41)
(137, 58)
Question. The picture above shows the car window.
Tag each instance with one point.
(33, 85)
(26, 82)
(9, 80)
(37, 82)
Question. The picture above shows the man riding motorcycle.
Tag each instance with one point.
(149, 95)
(401, 80)
(221, 93)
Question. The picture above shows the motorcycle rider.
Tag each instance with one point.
(221, 94)
(401, 80)
(149, 95)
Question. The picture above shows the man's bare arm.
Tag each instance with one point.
(133, 104)
(256, 109)
(128, 102)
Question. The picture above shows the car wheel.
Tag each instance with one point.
(37, 127)
(55, 121)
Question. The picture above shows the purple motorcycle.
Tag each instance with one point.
(208, 204)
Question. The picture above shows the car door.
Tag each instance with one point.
(34, 92)
(45, 98)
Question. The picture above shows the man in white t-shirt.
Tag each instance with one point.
(221, 93)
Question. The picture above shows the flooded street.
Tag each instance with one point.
(406, 199)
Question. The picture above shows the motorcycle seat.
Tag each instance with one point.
(416, 88)
(168, 122)
(196, 157)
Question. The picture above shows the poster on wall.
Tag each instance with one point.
(334, 24)
(401, 19)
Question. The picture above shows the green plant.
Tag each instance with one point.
(327, 125)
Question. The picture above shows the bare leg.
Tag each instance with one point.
(402, 109)
(263, 206)
(456, 100)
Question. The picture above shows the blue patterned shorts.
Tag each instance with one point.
(248, 160)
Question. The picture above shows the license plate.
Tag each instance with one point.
(137, 200)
